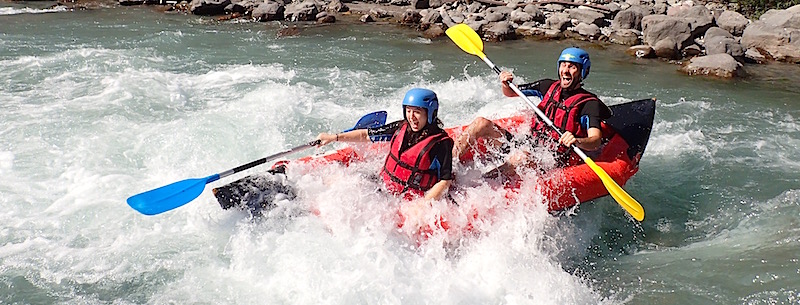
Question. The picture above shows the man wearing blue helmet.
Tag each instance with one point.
(420, 156)
(574, 110)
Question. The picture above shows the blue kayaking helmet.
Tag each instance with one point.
(423, 98)
(578, 56)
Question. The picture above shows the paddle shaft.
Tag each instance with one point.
(374, 119)
(262, 160)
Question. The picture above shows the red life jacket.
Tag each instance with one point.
(410, 170)
(565, 115)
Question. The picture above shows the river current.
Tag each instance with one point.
(99, 105)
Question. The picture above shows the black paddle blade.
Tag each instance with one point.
(255, 193)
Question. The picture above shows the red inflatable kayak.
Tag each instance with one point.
(628, 131)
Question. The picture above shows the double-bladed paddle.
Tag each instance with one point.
(174, 195)
(469, 41)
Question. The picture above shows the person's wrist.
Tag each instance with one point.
(337, 137)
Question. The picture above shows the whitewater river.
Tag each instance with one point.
(96, 106)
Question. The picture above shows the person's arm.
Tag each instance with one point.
(506, 78)
(593, 112)
(536, 89)
(591, 142)
(438, 190)
(361, 135)
(358, 135)
(443, 158)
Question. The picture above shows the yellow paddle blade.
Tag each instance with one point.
(466, 39)
(626, 201)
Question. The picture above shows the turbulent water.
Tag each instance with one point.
(100, 105)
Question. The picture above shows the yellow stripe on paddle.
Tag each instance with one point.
(469, 41)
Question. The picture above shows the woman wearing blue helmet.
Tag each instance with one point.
(420, 154)
(572, 109)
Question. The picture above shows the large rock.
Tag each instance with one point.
(558, 21)
(455, 16)
(755, 56)
(535, 12)
(776, 34)
(630, 18)
(520, 17)
(366, 18)
(660, 9)
(324, 17)
(732, 22)
(691, 51)
(659, 27)
(337, 6)
(588, 30)
(718, 40)
(494, 16)
(667, 48)
(699, 17)
(613, 8)
(498, 13)
(303, 11)
(208, 7)
(626, 37)
(515, 3)
(434, 31)
(717, 31)
(474, 7)
(379, 13)
(724, 45)
(499, 31)
(241, 7)
(553, 7)
(674, 9)
(432, 16)
(268, 11)
(719, 65)
(446, 19)
(420, 4)
(588, 16)
(410, 17)
(476, 25)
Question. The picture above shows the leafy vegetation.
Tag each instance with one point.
(754, 8)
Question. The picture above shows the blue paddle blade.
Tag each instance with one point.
(170, 196)
(371, 120)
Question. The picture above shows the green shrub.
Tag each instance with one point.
(754, 8)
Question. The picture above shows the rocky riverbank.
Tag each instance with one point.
(705, 38)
